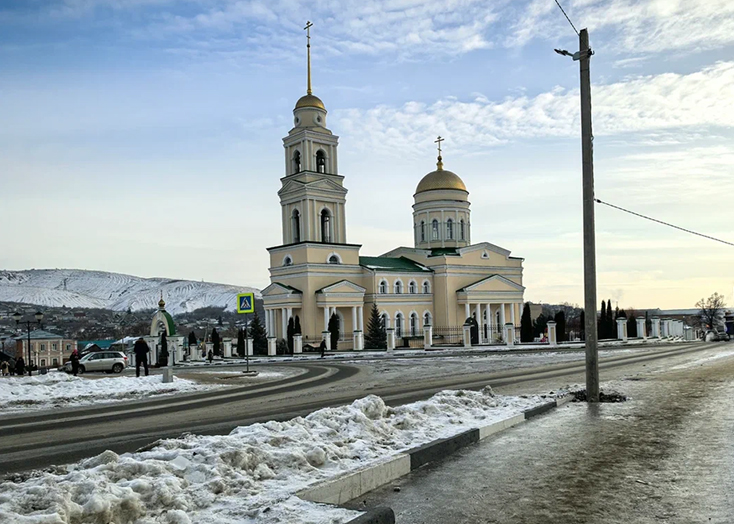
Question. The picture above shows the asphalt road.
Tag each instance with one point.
(41, 440)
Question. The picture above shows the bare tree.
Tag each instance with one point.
(711, 312)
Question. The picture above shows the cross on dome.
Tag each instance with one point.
(438, 141)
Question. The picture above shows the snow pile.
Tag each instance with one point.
(250, 475)
(57, 389)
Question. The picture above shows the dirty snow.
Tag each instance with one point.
(250, 475)
(58, 389)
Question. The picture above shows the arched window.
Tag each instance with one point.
(296, 225)
(449, 229)
(398, 287)
(435, 233)
(333, 259)
(383, 287)
(287, 261)
(325, 226)
(412, 287)
(426, 287)
(297, 162)
(399, 321)
(423, 231)
(413, 324)
(426, 319)
(461, 230)
(385, 320)
(321, 161)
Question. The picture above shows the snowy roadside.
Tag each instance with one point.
(58, 389)
(252, 474)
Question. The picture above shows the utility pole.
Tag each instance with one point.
(587, 151)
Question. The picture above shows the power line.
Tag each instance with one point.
(664, 223)
(567, 18)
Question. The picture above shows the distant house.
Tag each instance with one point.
(88, 346)
(47, 349)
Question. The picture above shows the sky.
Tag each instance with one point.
(144, 136)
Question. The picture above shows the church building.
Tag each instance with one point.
(442, 281)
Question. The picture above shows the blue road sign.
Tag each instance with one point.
(246, 303)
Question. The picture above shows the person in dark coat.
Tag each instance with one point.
(322, 347)
(210, 356)
(74, 358)
(20, 366)
(141, 356)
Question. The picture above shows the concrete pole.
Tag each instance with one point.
(592, 346)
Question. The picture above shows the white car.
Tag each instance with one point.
(107, 361)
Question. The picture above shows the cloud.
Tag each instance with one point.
(638, 105)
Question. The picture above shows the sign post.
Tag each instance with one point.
(246, 305)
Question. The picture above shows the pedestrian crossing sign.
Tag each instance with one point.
(246, 303)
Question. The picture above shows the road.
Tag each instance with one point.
(62, 436)
(666, 455)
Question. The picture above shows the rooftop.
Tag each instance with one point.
(401, 264)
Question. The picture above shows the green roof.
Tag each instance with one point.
(290, 288)
(401, 264)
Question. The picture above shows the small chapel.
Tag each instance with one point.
(431, 289)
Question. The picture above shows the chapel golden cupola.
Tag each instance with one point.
(441, 210)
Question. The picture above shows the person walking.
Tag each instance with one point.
(322, 347)
(20, 366)
(210, 356)
(141, 350)
(4, 368)
(74, 358)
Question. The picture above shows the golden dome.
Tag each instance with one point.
(440, 179)
(310, 101)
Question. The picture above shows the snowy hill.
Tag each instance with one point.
(99, 289)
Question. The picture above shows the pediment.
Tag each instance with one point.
(485, 247)
(276, 289)
(493, 283)
(323, 184)
(343, 286)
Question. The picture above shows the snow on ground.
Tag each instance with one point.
(251, 475)
(707, 359)
(58, 389)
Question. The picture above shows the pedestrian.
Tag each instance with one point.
(210, 356)
(4, 367)
(322, 347)
(20, 366)
(74, 358)
(141, 350)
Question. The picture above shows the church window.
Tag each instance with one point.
(333, 259)
(423, 231)
(461, 230)
(288, 261)
(399, 324)
(321, 161)
(450, 229)
(385, 320)
(412, 287)
(426, 319)
(296, 226)
(398, 287)
(297, 162)
(435, 233)
(413, 324)
(325, 226)
(426, 287)
(383, 287)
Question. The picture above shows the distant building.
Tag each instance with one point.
(47, 349)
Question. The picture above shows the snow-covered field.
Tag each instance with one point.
(58, 389)
(251, 475)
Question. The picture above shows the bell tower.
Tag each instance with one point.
(312, 196)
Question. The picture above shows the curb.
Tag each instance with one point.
(356, 483)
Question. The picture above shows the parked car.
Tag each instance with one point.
(107, 361)
(714, 335)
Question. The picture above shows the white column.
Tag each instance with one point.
(290, 312)
(467, 311)
(283, 322)
(512, 314)
(478, 312)
(490, 321)
(326, 318)
(267, 322)
(360, 315)
(355, 327)
(502, 314)
(641, 327)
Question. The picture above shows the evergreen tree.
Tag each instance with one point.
(290, 332)
(611, 325)
(526, 325)
(376, 336)
(241, 342)
(297, 326)
(333, 328)
(220, 321)
(163, 355)
(192, 339)
(259, 336)
(560, 319)
(540, 325)
(632, 327)
(648, 324)
(602, 324)
(215, 342)
(582, 328)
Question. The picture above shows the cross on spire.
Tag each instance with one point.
(438, 141)
(308, 27)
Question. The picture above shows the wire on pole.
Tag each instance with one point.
(567, 18)
(664, 223)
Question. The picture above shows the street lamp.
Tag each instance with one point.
(17, 317)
